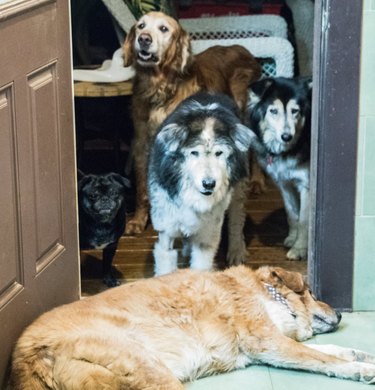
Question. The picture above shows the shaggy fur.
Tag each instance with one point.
(157, 333)
(167, 73)
(279, 112)
(199, 158)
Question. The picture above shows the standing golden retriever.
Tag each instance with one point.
(167, 73)
(157, 333)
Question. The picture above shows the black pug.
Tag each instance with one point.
(101, 201)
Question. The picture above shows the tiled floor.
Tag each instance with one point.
(357, 330)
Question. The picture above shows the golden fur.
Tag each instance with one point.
(160, 332)
(167, 73)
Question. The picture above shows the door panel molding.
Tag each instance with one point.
(10, 276)
(44, 119)
(17, 7)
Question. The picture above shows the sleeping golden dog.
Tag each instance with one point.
(166, 73)
(161, 332)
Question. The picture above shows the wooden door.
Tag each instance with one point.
(39, 265)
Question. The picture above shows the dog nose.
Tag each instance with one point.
(145, 40)
(339, 316)
(286, 137)
(208, 184)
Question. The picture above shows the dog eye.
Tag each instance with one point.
(295, 111)
(141, 26)
(218, 153)
(194, 153)
(164, 29)
(274, 111)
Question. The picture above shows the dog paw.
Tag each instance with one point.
(297, 253)
(135, 226)
(236, 257)
(111, 281)
(290, 240)
(367, 373)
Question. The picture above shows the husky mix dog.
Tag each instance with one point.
(279, 112)
(198, 164)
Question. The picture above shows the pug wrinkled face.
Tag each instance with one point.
(101, 196)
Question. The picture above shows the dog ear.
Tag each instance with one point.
(128, 47)
(292, 280)
(257, 90)
(171, 137)
(243, 137)
(179, 54)
(83, 181)
(306, 81)
(120, 179)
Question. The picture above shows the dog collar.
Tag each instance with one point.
(279, 298)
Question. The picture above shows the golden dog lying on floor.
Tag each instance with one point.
(160, 332)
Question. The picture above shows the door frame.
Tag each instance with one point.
(335, 114)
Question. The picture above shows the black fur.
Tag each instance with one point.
(182, 129)
(101, 200)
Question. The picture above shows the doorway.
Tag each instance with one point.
(337, 29)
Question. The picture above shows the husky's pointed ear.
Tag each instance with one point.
(306, 81)
(257, 90)
(242, 137)
(171, 137)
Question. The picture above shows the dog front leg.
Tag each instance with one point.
(137, 223)
(237, 253)
(299, 249)
(291, 206)
(284, 352)
(203, 249)
(349, 354)
(108, 255)
(165, 256)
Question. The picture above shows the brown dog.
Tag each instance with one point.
(160, 332)
(167, 73)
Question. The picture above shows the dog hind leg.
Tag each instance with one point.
(76, 374)
(237, 253)
(165, 256)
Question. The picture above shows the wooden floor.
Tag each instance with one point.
(265, 231)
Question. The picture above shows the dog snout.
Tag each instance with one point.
(145, 40)
(286, 137)
(208, 184)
